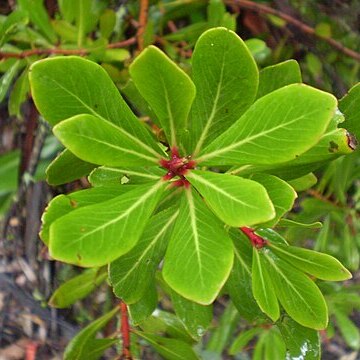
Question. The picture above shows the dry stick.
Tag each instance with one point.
(246, 4)
(125, 332)
(59, 51)
(144, 7)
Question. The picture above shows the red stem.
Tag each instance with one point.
(256, 240)
(125, 332)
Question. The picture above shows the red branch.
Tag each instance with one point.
(125, 332)
(256, 240)
(261, 8)
(59, 51)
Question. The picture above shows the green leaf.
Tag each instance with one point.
(274, 345)
(258, 48)
(301, 342)
(100, 142)
(243, 339)
(322, 266)
(64, 204)
(131, 273)
(161, 322)
(299, 295)
(219, 58)
(171, 349)
(222, 334)
(262, 287)
(66, 167)
(107, 23)
(304, 182)
(271, 236)
(349, 105)
(268, 134)
(38, 15)
(85, 346)
(276, 76)
(15, 19)
(239, 284)
(19, 94)
(167, 89)
(7, 79)
(291, 224)
(281, 194)
(9, 168)
(61, 89)
(195, 317)
(236, 201)
(200, 255)
(98, 234)
(348, 329)
(105, 176)
(144, 307)
(77, 288)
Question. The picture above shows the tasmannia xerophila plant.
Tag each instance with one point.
(188, 198)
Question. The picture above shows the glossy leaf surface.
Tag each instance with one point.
(322, 266)
(270, 134)
(299, 295)
(167, 89)
(132, 273)
(199, 256)
(262, 287)
(100, 142)
(236, 201)
(60, 88)
(97, 234)
(224, 90)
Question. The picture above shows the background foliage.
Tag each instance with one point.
(322, 36)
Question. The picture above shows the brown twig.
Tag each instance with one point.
(250, 5)
(59, 51)
(125, 332)
(144, 8)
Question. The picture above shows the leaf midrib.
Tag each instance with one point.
(220, 190)
(93, 112)
(250, 138)
(147, 249)
(140, 200)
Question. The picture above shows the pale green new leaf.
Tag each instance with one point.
(277, 128)
(63, 87)
(106, 176)
(262, 287)
(168, 90)
(85, 346)
(200, 255)
(298, 294)
(226, 78)
(236, 201)
(276, 76)
(131, 274)
(66, 167)
(98, 234)
(7, 79)
(77, 288)
(322, 266)
(243, 339)
(98, 141)
(281, 194)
